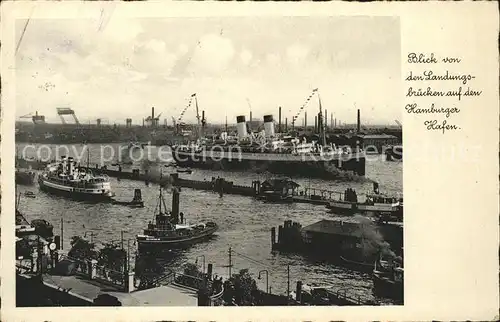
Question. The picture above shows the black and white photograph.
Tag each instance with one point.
(209, 161)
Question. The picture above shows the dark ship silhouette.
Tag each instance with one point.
(170, 230)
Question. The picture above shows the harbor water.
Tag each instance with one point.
(244, 223)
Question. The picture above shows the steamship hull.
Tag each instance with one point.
(346, 207)
(146, 243)
(291, 165)
(72, 193)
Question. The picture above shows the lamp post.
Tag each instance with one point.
(203, 257)
(128, 252)
(267, 279)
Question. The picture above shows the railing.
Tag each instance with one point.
(323, 194)
(98, 272)
(216, 299)
(189, 281)
(82, 266)
(342, 295)
(199, 283)
(109, 276)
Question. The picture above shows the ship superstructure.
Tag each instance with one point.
(67, 179)
(269, 151)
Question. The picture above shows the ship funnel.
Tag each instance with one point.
(269, 125)
(71, 166)
(175, 204)
(63, 163)
(241, 126)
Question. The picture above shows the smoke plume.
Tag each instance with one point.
(372, 241)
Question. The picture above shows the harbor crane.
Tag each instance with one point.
(199, 119)
(62, 111)
(191, 98)
(37, 119)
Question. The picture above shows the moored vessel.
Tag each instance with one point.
(388, 278)
(25, 177)
(64, 178)
(277, 190)
(374, 204)
(136, 202)
(276, 153)
(170, 230)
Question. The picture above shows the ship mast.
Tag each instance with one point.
(160, 198)
(321, 123)
(88, 157)
(197, 116)
(161, 201)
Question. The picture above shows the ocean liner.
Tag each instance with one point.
(273, 152)
(66, 179)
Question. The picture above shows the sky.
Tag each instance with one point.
(115, 68)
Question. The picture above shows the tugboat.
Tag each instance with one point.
(375, 203)
(388, 278)
(65, 179)
(170, 230)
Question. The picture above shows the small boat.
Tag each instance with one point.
(277, 190)
(188, 171)
(29, 194)
(388, 278)
(170, 230)
(136, 202)
(25, 177)
(357, 265)
(39, 227)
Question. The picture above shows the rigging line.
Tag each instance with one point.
(23, 32)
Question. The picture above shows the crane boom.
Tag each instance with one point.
(187, 106)
(303, 107)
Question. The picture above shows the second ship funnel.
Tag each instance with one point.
(241, 126)
(269, 125)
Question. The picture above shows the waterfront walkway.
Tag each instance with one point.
(84, 290)
(87, 291)
(167, 295)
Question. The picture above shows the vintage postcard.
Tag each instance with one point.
(164, 156)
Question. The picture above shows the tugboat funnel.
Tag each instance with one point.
(241, 126)
(175, 203)
(269, 125)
